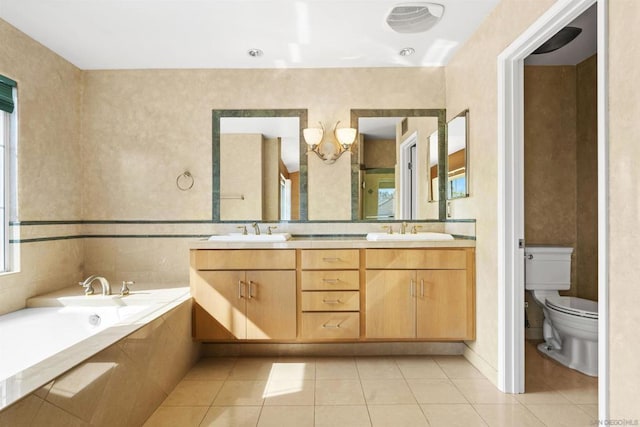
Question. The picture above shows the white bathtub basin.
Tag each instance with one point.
(397, 237)
(239, 237)
(39, 344)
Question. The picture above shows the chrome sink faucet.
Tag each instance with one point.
(88, 288)
(256, 227)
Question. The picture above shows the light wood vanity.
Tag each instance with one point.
(309, 291)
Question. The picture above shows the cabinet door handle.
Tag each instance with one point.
(331, 259)
(331, 280)
(251, 296)
(412, 288)
(422, 287)
(240, 285)
(332, 301)
(330, 326)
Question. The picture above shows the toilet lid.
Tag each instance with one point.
(573, 306)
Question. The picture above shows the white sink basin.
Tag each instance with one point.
(408, 236)
(239, 237)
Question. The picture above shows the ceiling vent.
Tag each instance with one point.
(414, 17)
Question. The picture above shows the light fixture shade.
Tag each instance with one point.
(313, 136)
(346, 136)
(560, 39)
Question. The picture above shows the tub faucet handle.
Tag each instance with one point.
(125, 287)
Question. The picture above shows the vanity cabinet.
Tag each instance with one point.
(244, 294)
(330, 294)
(420, 294)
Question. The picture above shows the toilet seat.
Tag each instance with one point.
(573, 306)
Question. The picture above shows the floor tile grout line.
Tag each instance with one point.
(576, 381)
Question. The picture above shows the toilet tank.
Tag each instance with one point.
(547, 268)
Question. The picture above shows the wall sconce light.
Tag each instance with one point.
(344, 139)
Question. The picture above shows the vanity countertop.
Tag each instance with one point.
(332, 242)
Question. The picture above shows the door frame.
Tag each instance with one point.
(511, 195)
(408, 199)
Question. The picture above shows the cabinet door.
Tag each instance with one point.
(443, 304)
(271, 305)
(390, 308)
(221, 294)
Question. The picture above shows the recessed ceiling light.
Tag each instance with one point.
(255, 53)
(407, 51)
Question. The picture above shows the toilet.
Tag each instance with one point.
(570, 326)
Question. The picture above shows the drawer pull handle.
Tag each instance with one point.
(331, 259)
(332, 301)
(329, 326)
(240, 286)
(251, 289)
(331, 280)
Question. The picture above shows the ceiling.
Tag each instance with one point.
(141, 34)
(378, 127)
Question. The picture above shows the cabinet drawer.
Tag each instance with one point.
(244, 259)
(330, 280)
(328, 326)
(330, 259)
(331, 301)
(443, 259)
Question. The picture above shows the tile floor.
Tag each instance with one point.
(373, 391)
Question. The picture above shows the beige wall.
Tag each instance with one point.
(134, 121)
(587, 181)
(49, 164)
(550, 155)
(471, 79)
(624, 207)
(379, 153)
(241, 176)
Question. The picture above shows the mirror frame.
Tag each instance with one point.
(215, 153)
(465, 114)
(441, 115)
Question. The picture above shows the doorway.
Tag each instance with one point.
(511, 193)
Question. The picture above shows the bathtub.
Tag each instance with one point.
(62, 329)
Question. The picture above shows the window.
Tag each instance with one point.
(7, 136)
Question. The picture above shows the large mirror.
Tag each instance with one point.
(458, 156)
(391, 165)
(259, 166)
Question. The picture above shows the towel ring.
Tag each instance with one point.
(186, 175)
